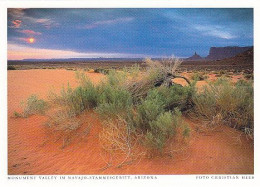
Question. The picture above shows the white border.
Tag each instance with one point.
(165, 180)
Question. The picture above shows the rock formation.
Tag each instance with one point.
(195, 57)
(217, 53)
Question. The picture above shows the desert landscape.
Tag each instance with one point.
(117, 116)
(32, 149)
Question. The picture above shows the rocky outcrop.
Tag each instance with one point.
(217, 53)
(247, 57)
(195, 57)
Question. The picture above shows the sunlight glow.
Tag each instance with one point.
(31, 40)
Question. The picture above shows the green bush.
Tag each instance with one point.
(151, 117)
(81, 99)
(77, 100)
(33, 105)
(115, 78)
(113, 101)
(232, 103)
(148, 111)
(161, 130)
(155, 122)
(174, 96)
(84, 97)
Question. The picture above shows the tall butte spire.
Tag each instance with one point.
(195, 57)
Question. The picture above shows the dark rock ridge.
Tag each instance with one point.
(195, 57)
(218, 53)
(246, 57)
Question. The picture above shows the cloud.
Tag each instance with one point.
(216, 31)
(18, 15)
(16, 12)
(20, 52)
(16, 24)
(29, 32)
(108, 22)
(47, 23)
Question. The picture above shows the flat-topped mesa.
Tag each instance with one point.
(218, 53)
(195, 57)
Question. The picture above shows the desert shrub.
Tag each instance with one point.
(249, 76)
(161, 129)
(155, 74)
(113, 101)
(148, 111)
(164, 128)
(33, 105)
(133, 71)
(230, 104)
(199, 76)
(17, 114)
(63, 124)
(152, 119)
(11, 68)
(222, 72)
(115, 78)
(77, 100)
(100, 70)
(81, 98)
(119, 143)
(174, 96)
(63, 120)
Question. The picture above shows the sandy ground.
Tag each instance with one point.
(32, 150)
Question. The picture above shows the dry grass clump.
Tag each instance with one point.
(64, 125)
(63, 120)
(230, 104)
(33, 105)
(119, 142)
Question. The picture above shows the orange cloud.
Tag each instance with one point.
(16, 23)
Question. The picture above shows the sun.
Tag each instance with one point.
(30, 40)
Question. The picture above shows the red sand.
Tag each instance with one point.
(33, 151)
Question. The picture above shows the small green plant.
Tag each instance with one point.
(33, 105)
(17, 114)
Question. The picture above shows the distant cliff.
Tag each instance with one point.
(247, 57)
(217, 53)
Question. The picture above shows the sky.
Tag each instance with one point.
(40, 33)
